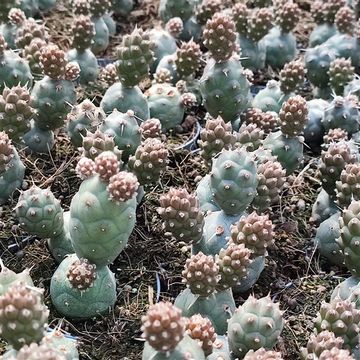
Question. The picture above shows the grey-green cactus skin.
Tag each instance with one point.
(321, 33)
(254, 53)
(87, 62)
(39, 141)
(324, 207)
(101, 39)
(204, 194)
(76, 304)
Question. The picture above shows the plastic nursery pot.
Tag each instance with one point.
(102, 62)
(254, 89)
(191, 144)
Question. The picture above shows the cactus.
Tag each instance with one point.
(102, 216)
(317, 344)
(270, 98)
(333, 161)
(83, 34)
(255, 324)
(262, 354)
(345, 20)
(342, 318)
(249, 137)
(233, 265)
(201, 275)
(182, 215)
(149, 161)
(163, 329)
(271, 176)
(174, 27)
(14, 71)
(125, 130)
(32, 54)
(323, 207)
(347, 188)
(53, 95)
(341, 72)
(314, 129)
(325, 239)
(188, 58)
(201, 329)
(151, 128)
(165, 104)
(343, 113)
(135, 55)
(30, 30)
(15, 19)
(280, 43)
(252, 26)
(214, 137)
(122, 7)
(9, 278)
(176, 8)
(16, 327)
(11, 168)
(95, 143)
(16, 110)
(224, 86)
(203, 193)
(292, 76)
(266, 121)
(317, 63)
(348, 241)
(80, 290)
(335, 135)
(82, 118)
(40, 214)
(233, 181)
(98, 8)
(163, 41)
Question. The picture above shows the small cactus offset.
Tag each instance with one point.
(341, 72)
(257, 323)
(348, 187)
(182, 215)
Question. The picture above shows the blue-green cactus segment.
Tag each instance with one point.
(76, 304)
(183, 9)
(29, 7)
(64, 344)
(233, 181)
(280, 48)
(122, 7)
(216, 233)
(342, 113)
(101, 38)
(192, 30)
(60, 246)
(166, 105)
(45, 5)
(325, 93)
(9, 31)
(314, 129)
(14, 71)
(323, 208)
(225, 89)
(9, 278)
(203, 193)
(87, 61)
(168, 62)
(221, 350)
(253, 54)
(345, 289)
(125, 130)
(40, 213)
(217, 307)
(12, 178)
(321, 33)
(99, 228)
(186, 349)
(123, 99)
(325, 240)
(110, 23)
(39, 141)
(164, 44)
(344, 46)
(254, 271)
(289, 151)
(270, 98)
(317, 63)
(53, 100)
(353, 88)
